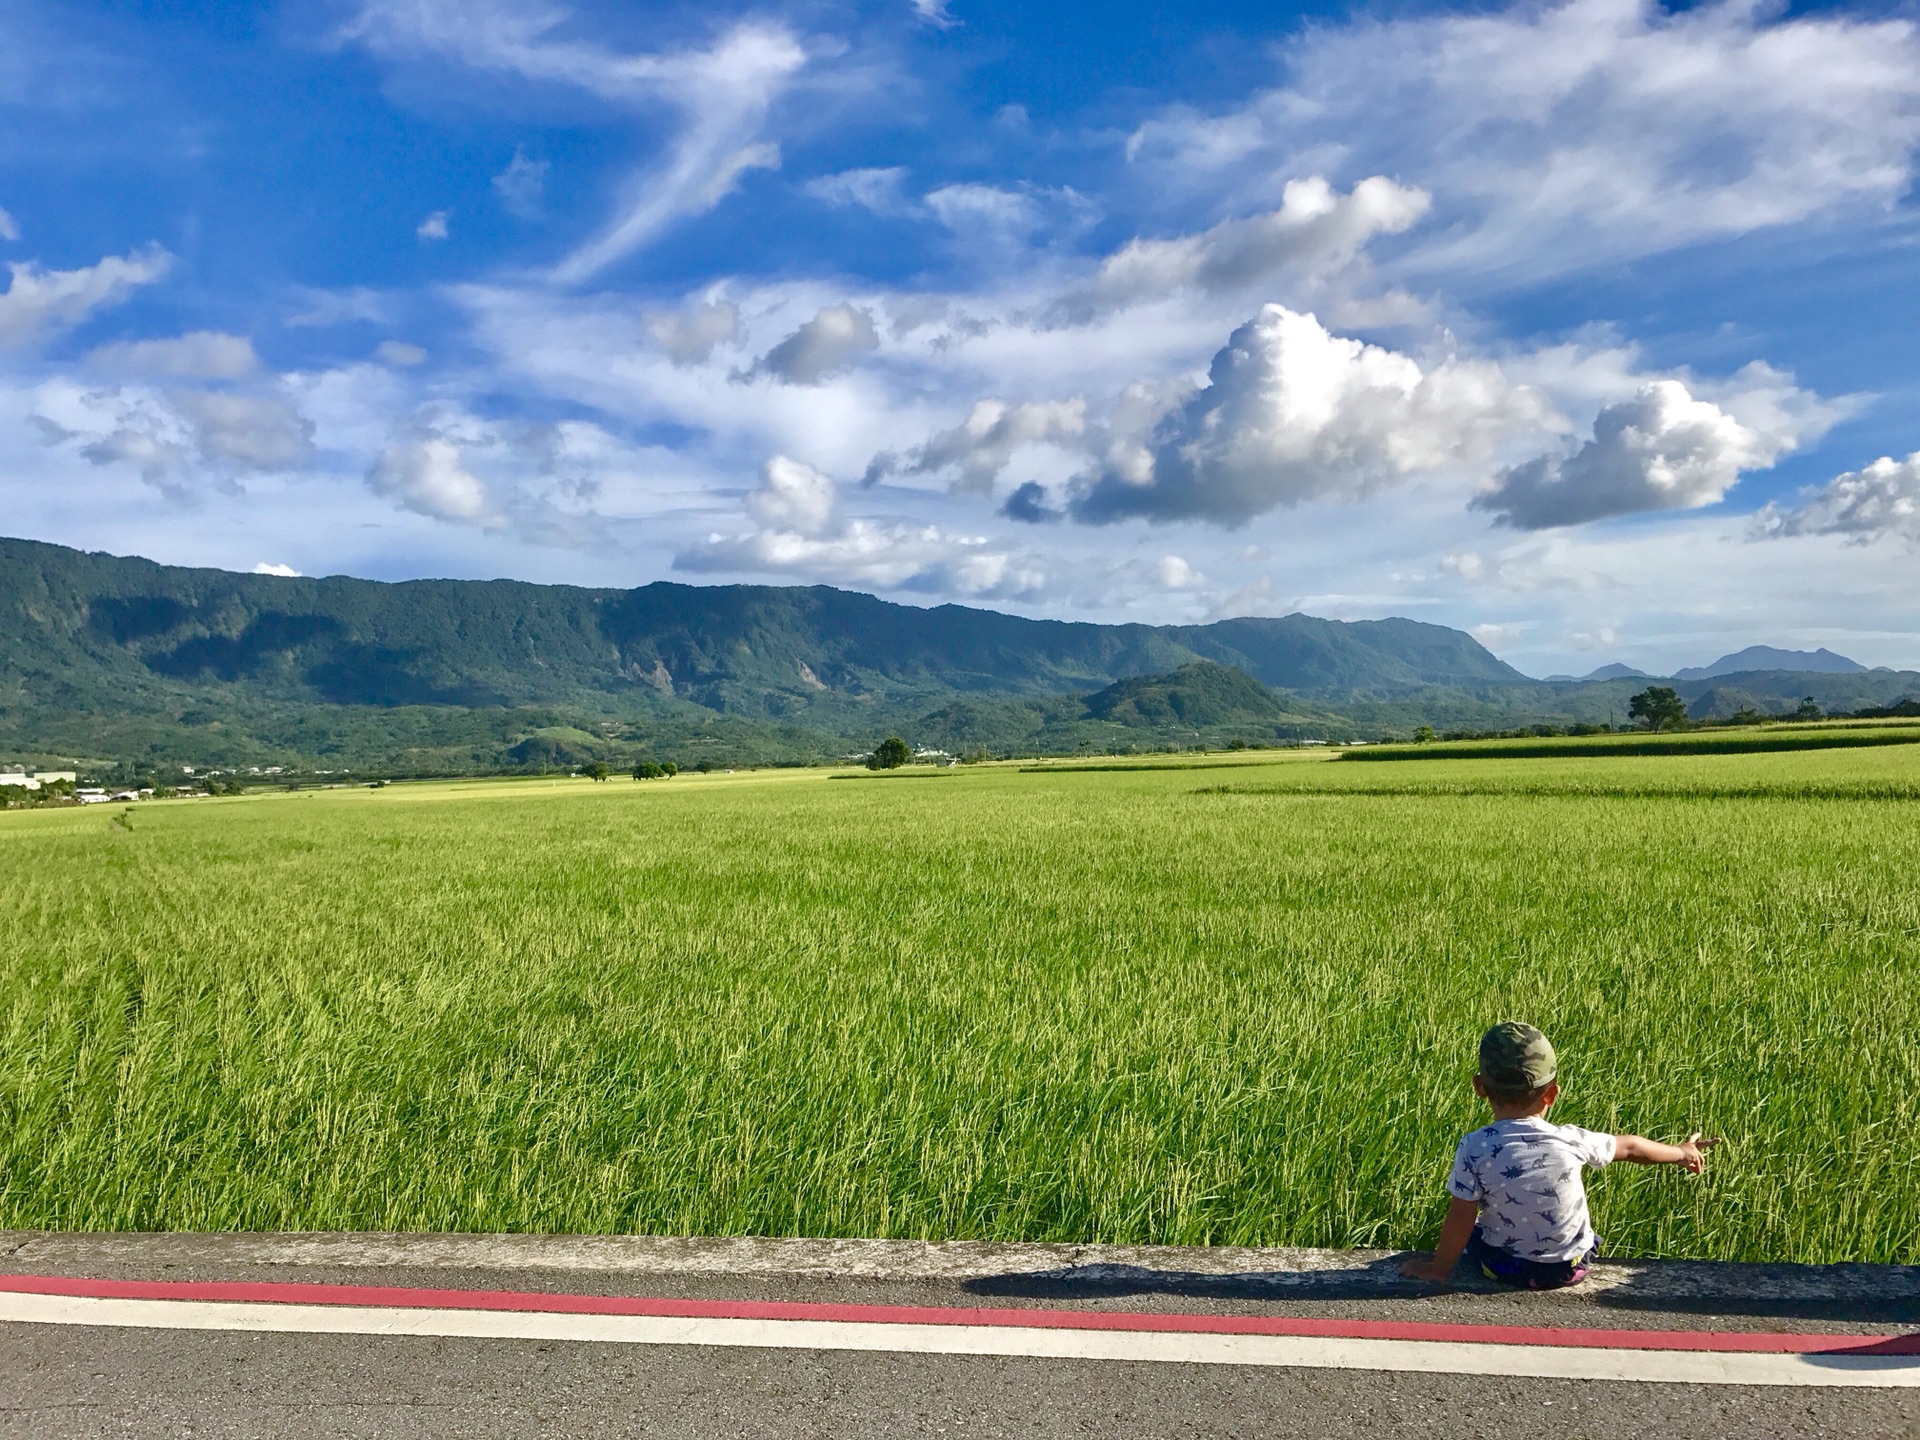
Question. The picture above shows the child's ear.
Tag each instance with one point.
(1480, 1086)
(1553, 1093)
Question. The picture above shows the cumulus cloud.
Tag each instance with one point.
(1863, 505)
(934, 12)
(1662, 450)
(38, 301)
(252, 432)
(688, 336)
(179, 440)
(979, 448)
(803, 533)
(1292, 413)
(9, 227)
(522, 186)
(828, 343)
(429, 476)
(887, 555)
(1558, 135)
(1315, 229)
(284, 572)
(1174, 573)
(199, 355)
(434, 227)
(161, 457)
(794, 497)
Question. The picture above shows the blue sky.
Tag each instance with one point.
(1584, 326)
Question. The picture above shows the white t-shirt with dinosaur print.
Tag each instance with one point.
(1525, 1174)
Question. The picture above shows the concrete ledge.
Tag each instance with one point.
(989, 1267)
(663, 1255)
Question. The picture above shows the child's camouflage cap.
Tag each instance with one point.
(1514, 1056)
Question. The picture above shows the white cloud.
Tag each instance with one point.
(522, 185)
(399, 352)
(251, 432)
(723, 94)
(1560, 135)
(38, 301)
(897, 555)
(434, 227)
(285, 572)
(831, 341)
(9, 227)
(1863, 505)
(1292, 413)
(429, 476)
(880, 189)
(982, 446)
(160, 457)
(199, 355)
(794, 497)
(179, 440)
(1316, 229)
(934, 12)
(689, 336)
(1662, 450)
(1497, 635)
(969, 208)
(327, 308)
(803, 533)
(1174, 573)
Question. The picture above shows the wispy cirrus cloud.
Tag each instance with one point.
(1561, 135)
(722, 94)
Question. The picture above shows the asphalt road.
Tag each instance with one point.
(62, 1380)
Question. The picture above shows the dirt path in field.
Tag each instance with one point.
(538, 1335)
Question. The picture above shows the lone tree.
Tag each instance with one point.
(597, 770)
(1660, 706)
(1809, 710)
(890, 754)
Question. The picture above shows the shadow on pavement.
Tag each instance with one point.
(1866, 1294)
(1377, 1280)
(1869, 1294)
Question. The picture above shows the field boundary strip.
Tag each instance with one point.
(1442, 790)
(1684, 1357)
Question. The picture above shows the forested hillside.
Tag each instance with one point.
(106, 658)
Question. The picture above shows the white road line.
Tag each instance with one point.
(1434, 1357)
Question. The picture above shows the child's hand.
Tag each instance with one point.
(1690, 1153)
(1421, 1267)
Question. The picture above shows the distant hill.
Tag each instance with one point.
(1195, 695)
(1615, 671)
(1766, 657)
(102, 655)
(111, 662)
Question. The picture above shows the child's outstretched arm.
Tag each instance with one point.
(1455, 1231)
(1638, 1150)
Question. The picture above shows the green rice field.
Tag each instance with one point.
(1208, 1000)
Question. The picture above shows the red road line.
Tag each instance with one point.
(291, 1293)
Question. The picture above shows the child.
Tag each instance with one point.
(1519, 1208)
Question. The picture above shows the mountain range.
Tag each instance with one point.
(110, 659)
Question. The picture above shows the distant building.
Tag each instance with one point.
(39, 778)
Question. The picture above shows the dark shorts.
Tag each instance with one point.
(1507, 1268)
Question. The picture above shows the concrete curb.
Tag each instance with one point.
(1278, 1271)
(664, 1255)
